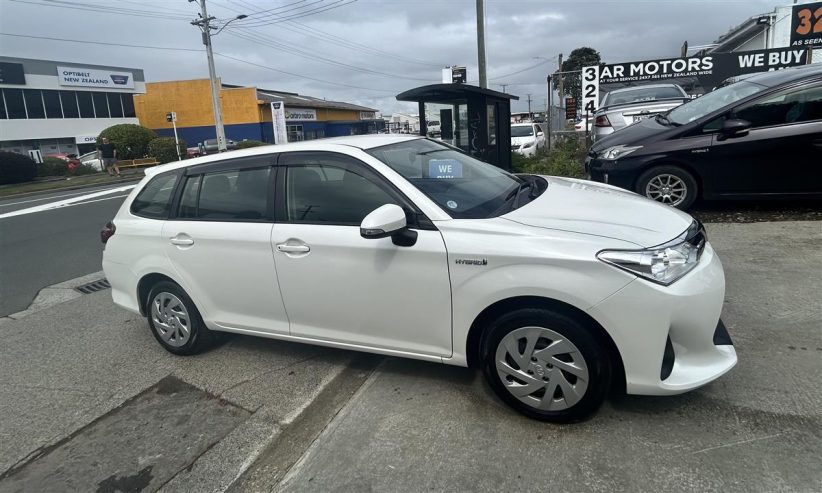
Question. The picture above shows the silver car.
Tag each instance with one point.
(629, 105)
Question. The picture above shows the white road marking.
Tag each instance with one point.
(47, 198)
(69, 202)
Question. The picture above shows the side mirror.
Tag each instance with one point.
(388, 220)
(540, 134)
(735, 128)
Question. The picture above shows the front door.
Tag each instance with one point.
(220, 245)
(338, 286)
(782, 152)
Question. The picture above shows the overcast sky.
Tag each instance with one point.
(406, 41)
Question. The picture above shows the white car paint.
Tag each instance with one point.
(528, 145)
(91, 159)
(346, 291)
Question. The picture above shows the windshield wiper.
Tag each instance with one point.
(668, 121)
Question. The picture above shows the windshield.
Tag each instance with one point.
(522, 131)
(712, 101)
(642, 94)
(463, 186)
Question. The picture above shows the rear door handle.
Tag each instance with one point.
(286, 248)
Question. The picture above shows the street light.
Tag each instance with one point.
(204, 23)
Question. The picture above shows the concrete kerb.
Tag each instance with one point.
(54, 295)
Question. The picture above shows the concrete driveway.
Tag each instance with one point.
(273, 416)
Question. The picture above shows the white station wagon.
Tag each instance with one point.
(559, 289)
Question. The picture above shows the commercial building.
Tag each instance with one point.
(59, 107)
(247, 113)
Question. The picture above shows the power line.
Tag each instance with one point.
(168, 48)
(91, 7)
(334, 5)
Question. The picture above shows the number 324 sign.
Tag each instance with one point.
(806, 25)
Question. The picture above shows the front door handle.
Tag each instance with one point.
(286, 248)
(182, 241)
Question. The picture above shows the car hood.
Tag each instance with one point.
(640, 132)
(587, 207)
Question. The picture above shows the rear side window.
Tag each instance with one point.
(236, 195)
(154, 200)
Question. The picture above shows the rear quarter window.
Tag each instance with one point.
(154, 200)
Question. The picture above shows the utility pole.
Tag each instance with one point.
(560, 84)
(548, 114)
(480, 43)
(204, 23)
(503, 87)
(529, 106)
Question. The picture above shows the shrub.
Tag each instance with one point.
(84, 169)
(565, 158)
(16, 168)
(130, 140)
(52, 166)
(162, 149)
(245, 144)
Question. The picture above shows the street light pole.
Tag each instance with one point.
(483, 81)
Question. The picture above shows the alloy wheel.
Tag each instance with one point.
(667, 188)
(542, 368)
(171, 319)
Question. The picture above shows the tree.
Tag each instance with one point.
(163, 149)
(130, 140)
(16, 168)
(580, 57)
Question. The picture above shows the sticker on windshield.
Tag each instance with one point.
(444, 168)
(451, 204)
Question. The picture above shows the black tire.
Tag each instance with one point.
(592, 352)
(199, 338)
(660, 172)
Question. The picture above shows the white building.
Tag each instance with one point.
(61, 107)
(403, 123)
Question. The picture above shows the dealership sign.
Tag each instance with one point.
(86, 139)
(278, 121)
(86, 77)
(806, 25)
(301, 114)
(710, 70)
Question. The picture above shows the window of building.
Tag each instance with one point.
(128, 105)
(86, 104)
(15, 107)
(34, 103)
(51, 99)
(295, 133)
(230, 195)
(154, 201)
(69, 102)
(114, 104)
(100, 105)
(333, 195)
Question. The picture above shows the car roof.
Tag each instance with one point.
(777, 77)
(334, 143)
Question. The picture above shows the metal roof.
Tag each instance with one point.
(295, 100)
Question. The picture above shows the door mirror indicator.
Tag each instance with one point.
(735, 128)
(383, 222)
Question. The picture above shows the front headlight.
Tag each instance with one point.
(528, 144)
(619, 151)
(665, 263)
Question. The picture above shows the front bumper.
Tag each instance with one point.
(644, 319)
(620, 173)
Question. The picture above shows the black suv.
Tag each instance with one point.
(759, 137)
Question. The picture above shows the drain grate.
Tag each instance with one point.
(94, 286)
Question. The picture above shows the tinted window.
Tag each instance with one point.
(790, 106)
(326, 193)
(69, 100)
(713, 101)
(52, 100)
(154, 201)
(100, 104)
(14, 103)
(34, 103)
(86, 107)
(522, 131)
(231, 195)
(191, 193)
(128, 105)
(114, 105)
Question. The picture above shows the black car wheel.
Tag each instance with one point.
(670, 185)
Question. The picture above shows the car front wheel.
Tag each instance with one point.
(670, 185)
(546, 365)
(176, 322)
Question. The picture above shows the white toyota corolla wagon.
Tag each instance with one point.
(559, 289)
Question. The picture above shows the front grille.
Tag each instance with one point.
(94, 286)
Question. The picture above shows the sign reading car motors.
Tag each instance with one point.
(806, 25)
(590, 88)
(86, 77)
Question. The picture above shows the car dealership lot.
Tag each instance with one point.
(412, 425)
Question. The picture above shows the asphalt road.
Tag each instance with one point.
(45, 247)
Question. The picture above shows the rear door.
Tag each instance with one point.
(219, 241)
(782, 152)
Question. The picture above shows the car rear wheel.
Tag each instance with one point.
(546, 365)
(176, 322)
(670, 185)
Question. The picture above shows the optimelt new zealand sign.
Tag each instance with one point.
(86, 77)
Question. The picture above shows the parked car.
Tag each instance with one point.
(434, 129)
(757, 138)
(527, 138)
(559, 289)
(582, 123)
(91, 159)
(623, 107)
(209, 146)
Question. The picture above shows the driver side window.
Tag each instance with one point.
(790, 106)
